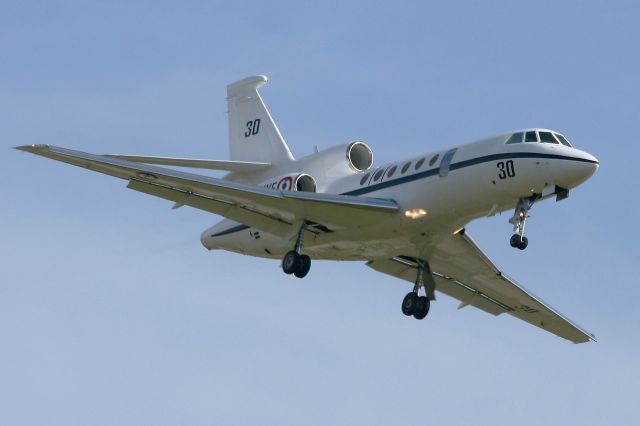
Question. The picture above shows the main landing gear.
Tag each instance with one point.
(294, 262)
(519, 219)
(413, 303)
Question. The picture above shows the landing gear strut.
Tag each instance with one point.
(519, 219)
(294, 262)
(413, 303)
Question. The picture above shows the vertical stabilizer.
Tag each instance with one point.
(253, 135)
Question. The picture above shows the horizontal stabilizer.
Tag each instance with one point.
(232, 166)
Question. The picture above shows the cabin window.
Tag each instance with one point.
(531, 136)
(547, 137)
(365, 178)
(562, 139)
(378, 175)
(434, 159)
(420, 163)
(406, 167)
(391, 171)
(515, 138)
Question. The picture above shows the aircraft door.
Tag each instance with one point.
(446, 162)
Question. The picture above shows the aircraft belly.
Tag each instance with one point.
(356, 250)
(361, 245)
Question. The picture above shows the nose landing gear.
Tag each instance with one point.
(415, 305)
(294, 262)
(519, 219)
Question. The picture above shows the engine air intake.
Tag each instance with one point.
(305, 183)
(359, 156)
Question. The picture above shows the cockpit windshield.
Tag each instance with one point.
(562, 139)
(547, 137)
(515, 138)
(542, 136)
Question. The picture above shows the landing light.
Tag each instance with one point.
(415, 213)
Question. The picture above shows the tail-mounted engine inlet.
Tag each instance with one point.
(293, 182)
(359, 156)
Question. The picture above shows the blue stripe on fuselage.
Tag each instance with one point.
(461, 165)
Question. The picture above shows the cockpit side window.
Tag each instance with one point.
(515, 138)
(562, 139)
(547, 137)
(531, 136)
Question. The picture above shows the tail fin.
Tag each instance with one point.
(253, 135)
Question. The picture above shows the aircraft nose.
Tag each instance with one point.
(590, 164)
(582, 168)
(588, 157)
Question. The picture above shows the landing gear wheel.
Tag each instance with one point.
(302, 266)
(519, 242)
(523, 243)
(422, 308)
(295, 263)
(409, 304)
(290, 262)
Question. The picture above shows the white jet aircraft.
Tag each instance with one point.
(406, 218)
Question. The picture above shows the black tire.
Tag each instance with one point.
(290, 262)
(524, 243)
(422, 308)
(302, 266)
(515, 240)
(409, 304)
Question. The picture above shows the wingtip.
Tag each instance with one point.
(31, 148)
(587, 338)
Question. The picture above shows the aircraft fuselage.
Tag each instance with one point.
(438, 193)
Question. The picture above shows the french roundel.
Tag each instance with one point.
(285, 183)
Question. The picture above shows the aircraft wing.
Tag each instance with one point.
(462, 271)
(232, 166)
(270, 210)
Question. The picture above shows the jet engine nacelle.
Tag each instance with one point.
(340, 160)
(292, 182)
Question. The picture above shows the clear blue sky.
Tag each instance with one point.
(111, 312)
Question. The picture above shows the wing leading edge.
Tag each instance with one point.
(464, 272)
(232, 166)
(271, 210)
